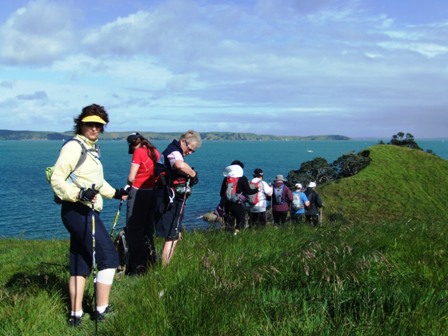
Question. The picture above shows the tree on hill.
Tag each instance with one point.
(350, 164)
(317, 170)
(404, 140)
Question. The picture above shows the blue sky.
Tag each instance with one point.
(360, 68)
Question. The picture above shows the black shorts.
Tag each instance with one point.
(168, 216)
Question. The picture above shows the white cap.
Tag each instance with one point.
(312, 185)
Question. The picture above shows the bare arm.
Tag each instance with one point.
(184, 168)
(132, 173)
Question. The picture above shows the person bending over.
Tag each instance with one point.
(174, 183)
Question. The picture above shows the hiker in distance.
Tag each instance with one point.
(82, 201)
(312, 212)
(281, 200)
(174, 182)
(257, 212)
(235, 190)
(141, 204)
(299, 203)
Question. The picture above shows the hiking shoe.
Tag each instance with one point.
(102, 316)
(236, 232)
(74, 321)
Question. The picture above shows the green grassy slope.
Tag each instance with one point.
(343, 278)
(399, 184)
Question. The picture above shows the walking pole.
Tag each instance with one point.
(187, 185)
(117, 215)
(94, 262)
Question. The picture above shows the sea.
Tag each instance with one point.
(29, 212)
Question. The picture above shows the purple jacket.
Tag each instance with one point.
(281, 197)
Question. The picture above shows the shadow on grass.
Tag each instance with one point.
(26, 284)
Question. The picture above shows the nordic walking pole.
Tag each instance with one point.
(94, 262)
(180, 215)
(117, 215)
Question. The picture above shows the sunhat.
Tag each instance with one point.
(94, 118)
(280, 178)
(312, 185)
(233, 171)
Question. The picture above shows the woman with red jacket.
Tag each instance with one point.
(141, 204)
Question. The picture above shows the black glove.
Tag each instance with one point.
(87, 195)
(194, 180)
(119, 193)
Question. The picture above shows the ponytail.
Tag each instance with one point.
(151, 150)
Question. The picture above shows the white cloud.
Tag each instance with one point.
(36, 34)
(225, 64)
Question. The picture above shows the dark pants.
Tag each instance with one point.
(77, 219)
(313, 219)
(258, 218)
(279, 216)
(140, 229)
(235, 215)
(298, 218)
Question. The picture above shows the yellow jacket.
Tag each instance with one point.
(89, 173)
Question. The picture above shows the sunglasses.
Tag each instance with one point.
(93, 124)
(188, 147)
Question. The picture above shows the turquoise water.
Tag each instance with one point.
(27, 206)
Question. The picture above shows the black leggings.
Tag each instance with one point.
(235, 215)
(140, 228)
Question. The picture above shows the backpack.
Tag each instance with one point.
(253, 199)
(49, 170)
(231, 194)
(121, 245)
(178, 186)
(161, 172)
(296, 201)
(310, 194)
(278, 195)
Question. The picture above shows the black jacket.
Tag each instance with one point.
(315, 202)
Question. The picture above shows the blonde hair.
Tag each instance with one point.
(192, 137)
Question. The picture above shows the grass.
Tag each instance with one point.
(340, 279)
(399, 184)
(380, 269)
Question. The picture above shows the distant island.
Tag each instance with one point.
(208, 136)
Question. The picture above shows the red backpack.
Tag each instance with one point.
(231, 194)
(253, 199)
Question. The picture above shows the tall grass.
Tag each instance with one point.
(380, 269)
(341, 279)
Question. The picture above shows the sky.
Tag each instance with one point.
(359, 68)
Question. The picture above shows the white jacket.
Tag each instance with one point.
(265, 191)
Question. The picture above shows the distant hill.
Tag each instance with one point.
(208, 136)
(399, 184)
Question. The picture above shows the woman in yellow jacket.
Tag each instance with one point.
(81, 191)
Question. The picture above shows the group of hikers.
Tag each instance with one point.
(158, 185)
(246, 203)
